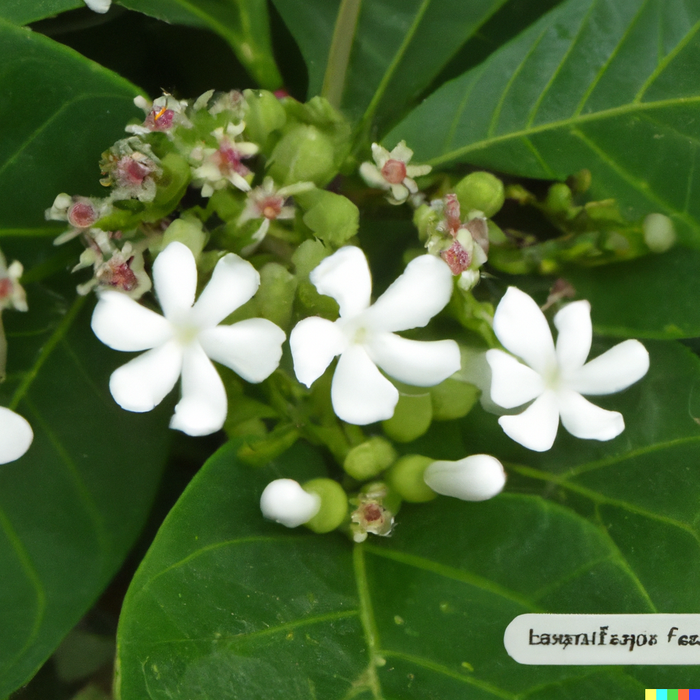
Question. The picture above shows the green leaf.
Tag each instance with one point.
(72, 507)
(608, 85)
(225, 600)
(399, 47)
(654, 297)
(23, 12)
(59, 113)
(244, 24)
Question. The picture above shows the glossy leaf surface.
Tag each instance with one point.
(607, 85)
(399, 47)
(244, 24)
(226, 600)
(25, 11)
(71, 508)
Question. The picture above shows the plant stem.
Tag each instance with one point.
(339, 54)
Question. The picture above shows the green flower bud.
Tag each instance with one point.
(333, 218)
(453, 399)
(276, 294)
(659, 233)
(411, 419)
(334, 504)
(264, 114)
(367, 460)
(425, 219)
(580, 182)
(406, 478)
(481, 191)
(559, 200)
(308, 256)
(187, 231)
(303, 154)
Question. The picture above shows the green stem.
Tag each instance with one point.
(339, 54)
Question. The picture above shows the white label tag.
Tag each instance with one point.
(574, 640)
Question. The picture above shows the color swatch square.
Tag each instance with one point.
(694, 694)
(661, 694)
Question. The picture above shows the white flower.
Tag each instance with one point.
(392, 172)
(15, 435)
(364, 336)
(475, 478)
(186, 337)
(286, 502)
(223, 165)
(100, 6)
(163, 114)
(266, 202)
(557, 378)
(80, 212)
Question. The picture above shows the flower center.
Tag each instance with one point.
(82, 215)
(186, 332)
(394, 171)
(271, 207)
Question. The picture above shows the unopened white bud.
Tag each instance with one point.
(659, 233)
(475, 478)
(286, 502)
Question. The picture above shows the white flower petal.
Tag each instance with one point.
(420, 293)
(360, 394)
(202, 409)
(415, 362)
(373, 176)
(585, 420)
(475, 478)
(523, 330)
(286, 502)
(512, 382)
(612, 371)
(232, 284)
(575, 335)
(175, 280)
(345, 276)
(418, 170)
(402, 152)
(536, 427)
(100, 6)
(380, 154)
(15, 435)
(315, 342)
(140, 385)
(400, 191)
(251, 348)
(123, 324)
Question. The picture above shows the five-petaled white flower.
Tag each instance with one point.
(392, 171)
(186, 337)
(364, 336)
(557, 377)
(15, 435)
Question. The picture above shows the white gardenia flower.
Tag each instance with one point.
(15, 435)
(286, 502)
(475, 478)
(186, 339)
(390, 171)
(557, 377)
(365, 336)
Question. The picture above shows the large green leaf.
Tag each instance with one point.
(244, 24)
(71, 508)
(399, 46)
(226, 605)
(25, 11)
(58, 112)
(609, 85)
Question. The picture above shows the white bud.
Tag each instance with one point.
(659, 233)
(286, 502)
(100, 6)
(475, 478)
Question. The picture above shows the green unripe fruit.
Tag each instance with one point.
(406, 478)
(482, 191)
(333, 218)
(264, 114)
(559, 199)
(411, 419)
(369, 459)
(334, 504)
(275, 296)
(659, 233)
(303, 154)
(308, 256)
(453, 399)
(186, 231)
